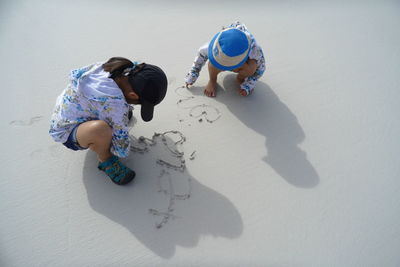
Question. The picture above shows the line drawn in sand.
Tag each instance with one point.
(170, 140)
(141, 145)
(199, 111)
(26, 123)
(170, 192)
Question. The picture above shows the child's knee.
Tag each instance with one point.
(101, 128)
(96, 129)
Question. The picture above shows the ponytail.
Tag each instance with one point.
(116, 66)
(119, 66)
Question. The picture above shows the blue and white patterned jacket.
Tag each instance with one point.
(255, 53)
(91, 95)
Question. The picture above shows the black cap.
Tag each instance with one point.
(150, 83)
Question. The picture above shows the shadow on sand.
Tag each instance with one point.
(263, 112)
(153, 208)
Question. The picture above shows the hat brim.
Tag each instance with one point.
(216, 64)
(146, 110)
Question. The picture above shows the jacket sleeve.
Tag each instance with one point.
(199, 61)
(256, 53)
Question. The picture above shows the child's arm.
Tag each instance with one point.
(255, 69)
(248, 84)
(246, 70)
(199, 61)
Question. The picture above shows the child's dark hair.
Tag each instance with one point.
(117, 66)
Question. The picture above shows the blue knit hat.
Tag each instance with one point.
(229, 49)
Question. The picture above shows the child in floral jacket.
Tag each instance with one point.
(93, 111)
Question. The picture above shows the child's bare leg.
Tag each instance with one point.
(240, 78)
(95, 135)
(212, 83)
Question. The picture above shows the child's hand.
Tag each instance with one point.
(188, 84)
(243, 92)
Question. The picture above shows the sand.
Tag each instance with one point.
(304, 172)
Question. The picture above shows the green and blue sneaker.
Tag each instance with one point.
(118, 173)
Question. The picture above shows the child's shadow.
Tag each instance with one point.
(147, 204)
(266, 114)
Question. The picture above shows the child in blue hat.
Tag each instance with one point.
(93, 111)
(232, 49)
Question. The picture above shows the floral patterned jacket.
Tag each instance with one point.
(91, 95)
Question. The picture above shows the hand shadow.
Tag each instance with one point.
(263, 112)
(163, 208)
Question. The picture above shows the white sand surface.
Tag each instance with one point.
(304, 172)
